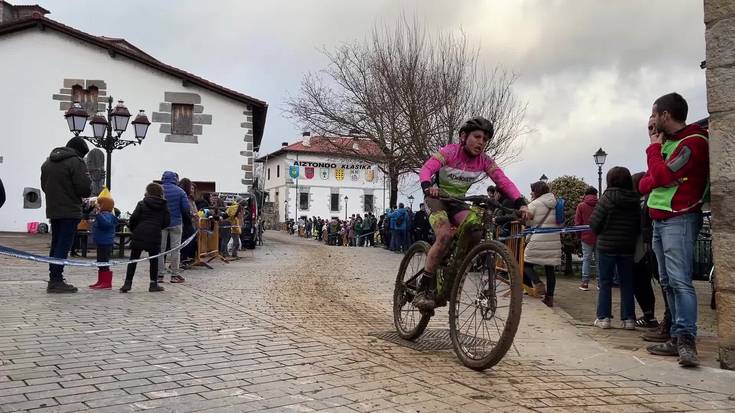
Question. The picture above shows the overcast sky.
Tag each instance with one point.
(589, 70)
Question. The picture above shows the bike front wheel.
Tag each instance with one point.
(409, 321)
(485, 305)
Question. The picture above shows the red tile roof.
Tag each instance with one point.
(347, 146)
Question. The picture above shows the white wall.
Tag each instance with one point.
(34, 66)
(320, 189)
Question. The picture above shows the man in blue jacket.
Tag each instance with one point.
(398, 225)
(178, 205)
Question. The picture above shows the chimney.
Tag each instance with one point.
(306, 138)
(284, 144)
(354, 132)
(305, 133)
(10, 13)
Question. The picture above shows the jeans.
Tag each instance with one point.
(235, 244)
(174, 233)
(607, 264)
(62, 237)
(673, 243)
(103, 255)
(588, 254)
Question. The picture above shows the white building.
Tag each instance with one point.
(202, 131)
(312, 177)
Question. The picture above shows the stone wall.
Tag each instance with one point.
(719, 18)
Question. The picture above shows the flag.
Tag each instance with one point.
(293, 171)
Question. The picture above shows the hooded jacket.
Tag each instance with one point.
(687, 168)
(65, 182)
(617, 221)
(149, 218)
(583, 215)
(178, 202)
(543, 249)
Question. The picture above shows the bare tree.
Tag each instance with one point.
(409, 93)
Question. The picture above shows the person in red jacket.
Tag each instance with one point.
(677, 183)
(582, 217)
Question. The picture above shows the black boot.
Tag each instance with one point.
(661, 334)
(155, 288)
(688, 351)
(669, 348)
(60, 287)
(127, 285)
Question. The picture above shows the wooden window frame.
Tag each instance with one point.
(182, 119)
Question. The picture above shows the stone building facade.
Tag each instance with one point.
(719, 18)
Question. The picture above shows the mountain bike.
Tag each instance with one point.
(482, 287)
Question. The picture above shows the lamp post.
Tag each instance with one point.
(285, 211)
(544, 178)
(102, 129)
(600, 157)
(346, 198)
(410, 201)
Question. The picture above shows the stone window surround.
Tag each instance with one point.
(65, 95)
(199, 118)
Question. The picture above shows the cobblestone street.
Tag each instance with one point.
(292, 328)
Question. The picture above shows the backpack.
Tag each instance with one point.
(559, 211)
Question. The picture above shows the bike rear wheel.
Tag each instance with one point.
(485, 306)
(409, 321)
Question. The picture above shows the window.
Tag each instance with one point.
(182, 119)
(269, 174)
(368, 203)
(278, 171)
(304, 201)
(86, 97)
(334, 203)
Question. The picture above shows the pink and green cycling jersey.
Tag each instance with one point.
(456, 172)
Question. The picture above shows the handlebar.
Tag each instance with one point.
(479, 200)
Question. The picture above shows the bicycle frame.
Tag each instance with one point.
(480, 219)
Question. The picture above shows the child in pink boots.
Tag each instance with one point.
(104, 236)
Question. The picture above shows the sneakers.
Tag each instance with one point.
(687, 348)
(60, 287)
(647, 323)
(176, 279)
(669, 348)
(424, 301)
(585, 286)
(629, 324)
(603, 323)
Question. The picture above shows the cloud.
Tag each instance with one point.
(589, 70)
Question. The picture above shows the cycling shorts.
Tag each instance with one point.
(446, 210)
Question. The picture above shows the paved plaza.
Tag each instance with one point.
(293, 328)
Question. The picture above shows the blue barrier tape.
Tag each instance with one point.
(548, 230)
(10, 252)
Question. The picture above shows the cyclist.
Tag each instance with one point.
(454, 168)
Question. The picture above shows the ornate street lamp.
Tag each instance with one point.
(76, 117)
(102, 129)
(544, 178)
(346, 198)
(600, 157)
(410, 201)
